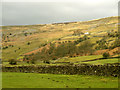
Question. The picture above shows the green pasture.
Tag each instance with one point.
(74, 60)
(79, 59)
(102, 61)
(36, 80)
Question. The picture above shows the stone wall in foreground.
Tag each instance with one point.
(81, 69)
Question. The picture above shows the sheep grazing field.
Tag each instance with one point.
(36, 80)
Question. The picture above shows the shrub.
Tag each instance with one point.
(59, 39)
(25, 34)
(86, 48)
(33, 61)
(5, 47)
(47, 62)
(10, 34)
(28, 61)
(106, 55)
(12, 62)
(54, 58)
(28, 43)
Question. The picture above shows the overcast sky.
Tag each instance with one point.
(27, 13)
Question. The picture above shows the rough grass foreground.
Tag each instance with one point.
(36, 80)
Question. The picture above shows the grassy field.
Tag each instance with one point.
(35, 80)
(79, 59)
(103, 61)
(75, 60)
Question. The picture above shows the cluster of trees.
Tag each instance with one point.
(114, 34)
(106, 55)
(12, 62)
(26, 33)
(5, 38)
(63, 50)
(102, 44)
(115, 44)
(82, 39)
(5, 47)
(78, 32)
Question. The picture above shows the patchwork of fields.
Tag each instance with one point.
(92, 43)
(75, 60)
(19, 40)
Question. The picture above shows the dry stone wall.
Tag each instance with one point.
(81, 69)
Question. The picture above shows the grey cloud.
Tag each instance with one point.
(51, 12)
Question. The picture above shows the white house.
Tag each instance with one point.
(86, 33)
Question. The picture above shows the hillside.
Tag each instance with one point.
(18, 41)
